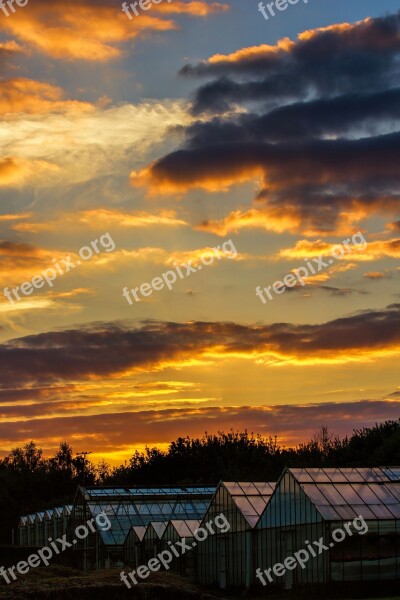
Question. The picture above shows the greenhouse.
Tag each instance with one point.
(176, 531)
(125, 508)
(227, 558)
(36, 528)
(354, 511)
(133, 549)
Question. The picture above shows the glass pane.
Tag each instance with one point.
(234, 488)
(393, 473)
(349, 494)
(332, 494)
(346, 512)
(258, 503)
(394, 488)
(244, 506)
(302, 475)
(364, 511)
(248, 488)
(319, 475)
(314, 494)
(328, 513)
(336, 475)
(384, 495)
(381, 511)
(370, 475)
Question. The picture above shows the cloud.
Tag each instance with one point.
(322, 157)
(375, 250)
(112, 350)
(16, 172)
(125, 431)
(359, 56)
(92, 144)
(15, 217)
(103, 218)
(20, 262)
(21, 95)
(377, 275)
(341, 292)
(93, 30)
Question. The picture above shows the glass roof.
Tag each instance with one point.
(340, 494)
(251, 498)
(126, 512)
(157, 491)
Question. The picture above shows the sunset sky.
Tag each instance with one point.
(196, 123)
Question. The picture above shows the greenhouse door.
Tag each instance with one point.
(288, 544)
(221, 562)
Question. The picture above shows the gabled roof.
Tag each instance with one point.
(49, 513)
(158, 527)
(139, 531)
(67, 510)
(347, 493)
(251, 498)
(39, 517)
(185, 528)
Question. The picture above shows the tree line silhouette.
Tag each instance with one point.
(29, 482)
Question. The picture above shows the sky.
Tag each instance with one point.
(240, 175)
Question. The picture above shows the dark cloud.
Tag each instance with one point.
(318, 125)
(109, 349)
(326, 62)
(300, 120)
(291, 423)
(341, 292)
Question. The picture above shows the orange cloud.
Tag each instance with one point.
(373, 251)
(16, 217)
(18, 171)
(91, 31)
(251, 53)
(10, 46)
(21, 262)
(279, 220)
(194, 8)
(275, 219)
(104, 217)
(22, 95)
(374, 275)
